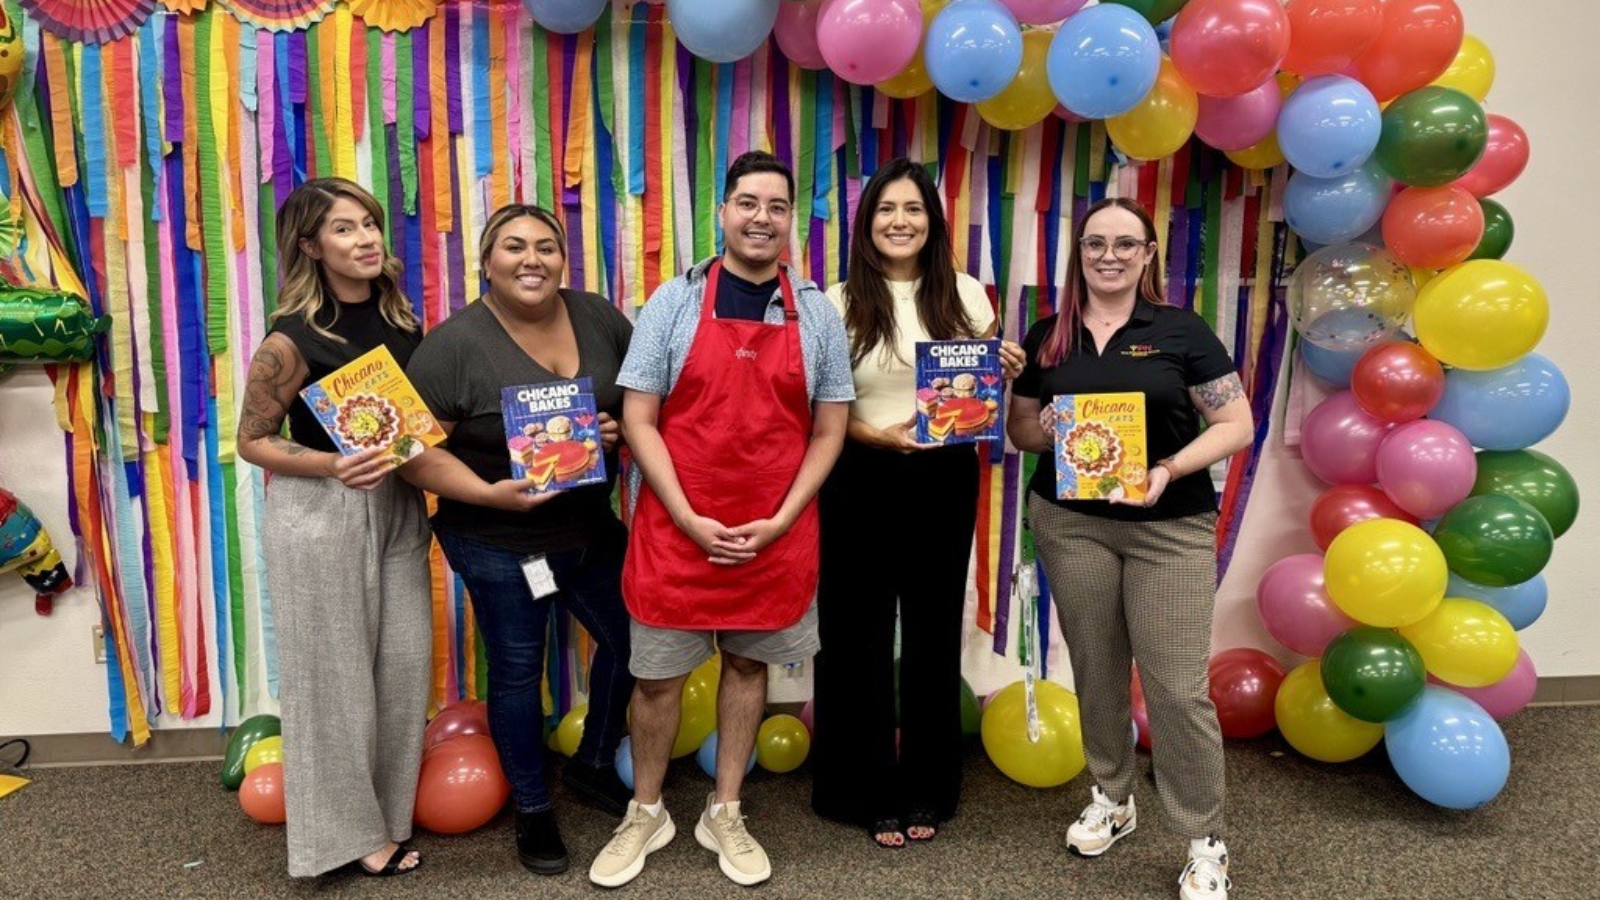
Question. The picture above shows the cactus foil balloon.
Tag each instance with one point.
(45, 325)
(26, 549)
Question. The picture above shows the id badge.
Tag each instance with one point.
(541, 581)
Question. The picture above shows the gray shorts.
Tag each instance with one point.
(663, 653)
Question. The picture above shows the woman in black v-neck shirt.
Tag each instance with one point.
(1134, 579)
(496, 532)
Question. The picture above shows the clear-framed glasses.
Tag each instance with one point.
(1123, 248)
(747, 207)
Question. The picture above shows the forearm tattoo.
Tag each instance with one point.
(1214, 395)
(269, 380)
(286, 445)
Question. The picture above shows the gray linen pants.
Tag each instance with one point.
(348, 571)
(1142, 591)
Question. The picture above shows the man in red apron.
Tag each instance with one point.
(739, 385)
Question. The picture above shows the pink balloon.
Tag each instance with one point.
(1504, 158)
(1224, 48)
(868, 41)
(1426, 467)
(1042, 12)
(1506, 696)
(808, 716)
(1067, 115)
(796, 31)
(1141, 712)
(1339, 441)
(1234, 123)
(460, 717)
(1295, 606)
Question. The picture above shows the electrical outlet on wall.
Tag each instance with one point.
(99, 634)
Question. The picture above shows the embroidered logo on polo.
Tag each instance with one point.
(1140, 351)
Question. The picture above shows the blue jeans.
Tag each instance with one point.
(514, 628)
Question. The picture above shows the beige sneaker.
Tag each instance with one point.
(1101, 824)
(740, 857)
(639, 835)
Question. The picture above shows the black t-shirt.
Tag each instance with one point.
(363, 327)
(740, 299)
(460, 370)
(1162, 352)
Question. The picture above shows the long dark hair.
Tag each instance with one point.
(1069, 310)
(869, 308)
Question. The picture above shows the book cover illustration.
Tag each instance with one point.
(370, 403)
(553, 434)
(959, 390)
(1100, 447)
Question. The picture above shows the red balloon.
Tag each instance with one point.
(1244, 687)
(461, 785)
(1325, 36)
(460, 717)
(1397, 381)
(1504, 158)
(1343, 505)
(1224, 48)
(1141, 713)
(1417, 42)
(261, 794)
(1433, 227)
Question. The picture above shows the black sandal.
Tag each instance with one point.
(922, 818)
(392, 867)
(889, 827)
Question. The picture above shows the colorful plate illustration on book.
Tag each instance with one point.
(366, 421)
(560, 461)
(1092, 449)
(970, 413)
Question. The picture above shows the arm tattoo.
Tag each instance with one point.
(1214, 395)
(286, 445)
(269, 379)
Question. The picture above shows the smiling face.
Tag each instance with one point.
(756, 219)
(900, 223)
(1115, 250)
(525, 264)
(349, 244)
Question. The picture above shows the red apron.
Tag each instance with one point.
(737, 424)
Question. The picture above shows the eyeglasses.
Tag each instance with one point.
(747, 207)
(1125, 248)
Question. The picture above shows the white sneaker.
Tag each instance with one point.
(1101, 824)
(740, 857)
(1205, 877)
(639, 835)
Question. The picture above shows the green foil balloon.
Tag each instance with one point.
(1498, 230)
(1494, 540)
(244, 737)
(1156, 11)
(1431, 136)
(1372, 673)
(1533, 478)
(45, 325)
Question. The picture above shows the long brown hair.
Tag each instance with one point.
(302, 289)
(1063, 338)
(869, 308)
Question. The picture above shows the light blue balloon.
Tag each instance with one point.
(1510, 408)
(1521, 604)
(1448, 750)
(1103, 60)
(1338, 209)
(624, 761)
(706, 756)
(722, 31)
(565, 16)
(1332, 366)
(973, 49)
(1329, 126)
(1164, 35)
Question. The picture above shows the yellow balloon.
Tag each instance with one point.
(1472, 71)
(569, 734)
(1028, 99)
(913, 80)
(1160, 124)
(264, 752)
(1385, 572)
(698, 713)
(11, 59)
(1265, 153)
(1482, 314)
(1057, 757)
(782, 744)
(1420, 277)
(1314, 725)
(1465, 643)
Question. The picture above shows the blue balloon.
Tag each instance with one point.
(565, 16)
(973, 49)
(1164, 35)
(1510, 408)
(1338, 209)
(706, 756)
(624, 761)
(1332, 366)
(1329, 126)
(1521, 604)
(1103, 60)
(1448, 750)
(722, 31)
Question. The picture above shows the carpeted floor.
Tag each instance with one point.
(1298, 830)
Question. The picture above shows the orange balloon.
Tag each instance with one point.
(1432, 228)
(261, 794)
(1417, 43)
(461, 785)
(1325, 36)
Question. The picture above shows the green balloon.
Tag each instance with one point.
(1431, 136)
(39, 324)
(971, 712)
(1498, 230)
(244, 737)
(1156, 11)
(1372, 673)
(1494, 540)
(1533, 478)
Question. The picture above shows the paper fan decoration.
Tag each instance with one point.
(279, 15)
(10, 228)
(185, 6)
(394, 15)
(89, 21)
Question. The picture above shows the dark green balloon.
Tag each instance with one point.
(1494, 540)
(1498, 230)
(971, 712)
(1156, 11)
(1533, 478)
(244, 737)
(1431, 136)
(1372, 673)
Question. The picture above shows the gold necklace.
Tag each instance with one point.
(1106, 323)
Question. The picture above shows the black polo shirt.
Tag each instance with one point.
(1161, 352)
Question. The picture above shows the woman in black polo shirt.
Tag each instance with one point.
(1134, 578)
